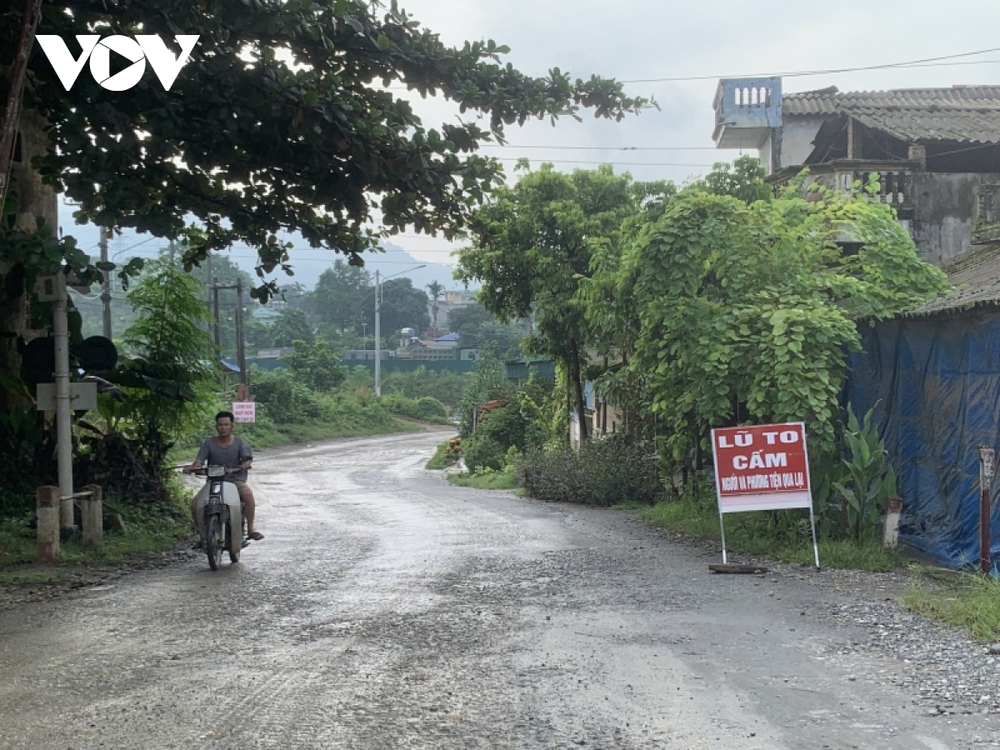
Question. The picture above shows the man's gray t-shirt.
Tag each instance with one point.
(230, 456)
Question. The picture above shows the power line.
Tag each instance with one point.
(616, 163)
(605, 148)
(800, 73)
(927, 62)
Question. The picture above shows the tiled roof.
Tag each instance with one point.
(976, 278)
(962, 113)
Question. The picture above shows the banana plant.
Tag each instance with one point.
(870, 479)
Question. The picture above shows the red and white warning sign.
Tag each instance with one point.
(245, 411)
(761, 467)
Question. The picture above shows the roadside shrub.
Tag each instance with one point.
(426, 409)
(604, 472)
(17, 487)
(501, 429)
(483, 452)
(447, 454)
(287, 400)
(446, 387)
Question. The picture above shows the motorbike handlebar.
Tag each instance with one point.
(205, 470)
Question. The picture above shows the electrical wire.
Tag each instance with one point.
(924, 63)
(604, 148)
(927, 62)
(616, 163)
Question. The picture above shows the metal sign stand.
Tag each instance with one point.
(761, 467)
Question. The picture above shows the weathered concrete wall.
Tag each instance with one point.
(797, 136)
(944, 211)
(34, 198)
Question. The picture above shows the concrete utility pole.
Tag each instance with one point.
(241, 352)
(64, 420)
(215, 314)
(378, 336)
(105, 285)
(378, 326)
(241, 344)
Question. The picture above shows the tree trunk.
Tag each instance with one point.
(34, 199)
(577, 376)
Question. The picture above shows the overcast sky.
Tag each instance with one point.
(643, 42)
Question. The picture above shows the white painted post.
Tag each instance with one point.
(890, 529)
(93, 515)
(47, 510)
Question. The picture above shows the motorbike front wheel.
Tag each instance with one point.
(234, 557)
(214, 541)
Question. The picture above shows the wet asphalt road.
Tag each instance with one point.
(389, 609)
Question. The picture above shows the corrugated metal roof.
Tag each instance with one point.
(960, 113)
(976, 278)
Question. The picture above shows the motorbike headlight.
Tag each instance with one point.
(216, 471)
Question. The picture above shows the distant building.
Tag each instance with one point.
(443, 347)
(936, 151)
(366, 355)
(269, 313)
(276, 353)
(452, 300)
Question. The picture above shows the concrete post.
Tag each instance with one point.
(64, 412)
(47, 508)
(93, 515)
(987, 468)
(890, 529)
(378, 335)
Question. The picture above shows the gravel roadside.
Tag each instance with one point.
(946, 672)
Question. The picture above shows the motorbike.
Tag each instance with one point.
(219, 515)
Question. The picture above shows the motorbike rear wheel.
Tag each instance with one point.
(214, 541)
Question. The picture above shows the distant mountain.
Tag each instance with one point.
(307, 263)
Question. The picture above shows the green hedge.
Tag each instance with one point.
(603, 472)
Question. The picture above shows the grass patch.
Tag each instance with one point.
(487, 479)
(148, 530)
(630, 505)
(970, 602)
(446, 454)
(28, 577)
(779, 535)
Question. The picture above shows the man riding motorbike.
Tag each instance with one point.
(230, 451)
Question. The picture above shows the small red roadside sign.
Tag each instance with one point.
(762, 467)
(762, 460)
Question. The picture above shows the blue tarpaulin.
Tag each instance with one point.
(935, 384)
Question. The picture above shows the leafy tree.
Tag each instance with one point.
(284, 119)
(292, 325)
(488, 382)
(465, 319)
(476, 327)
(743, 179)
(435, 289)
(339, 297)
(744, 312)
(532, 245)
(403, 306)
(316, 365)
(166, 376)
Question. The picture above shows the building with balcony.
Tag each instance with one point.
(936, 151)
